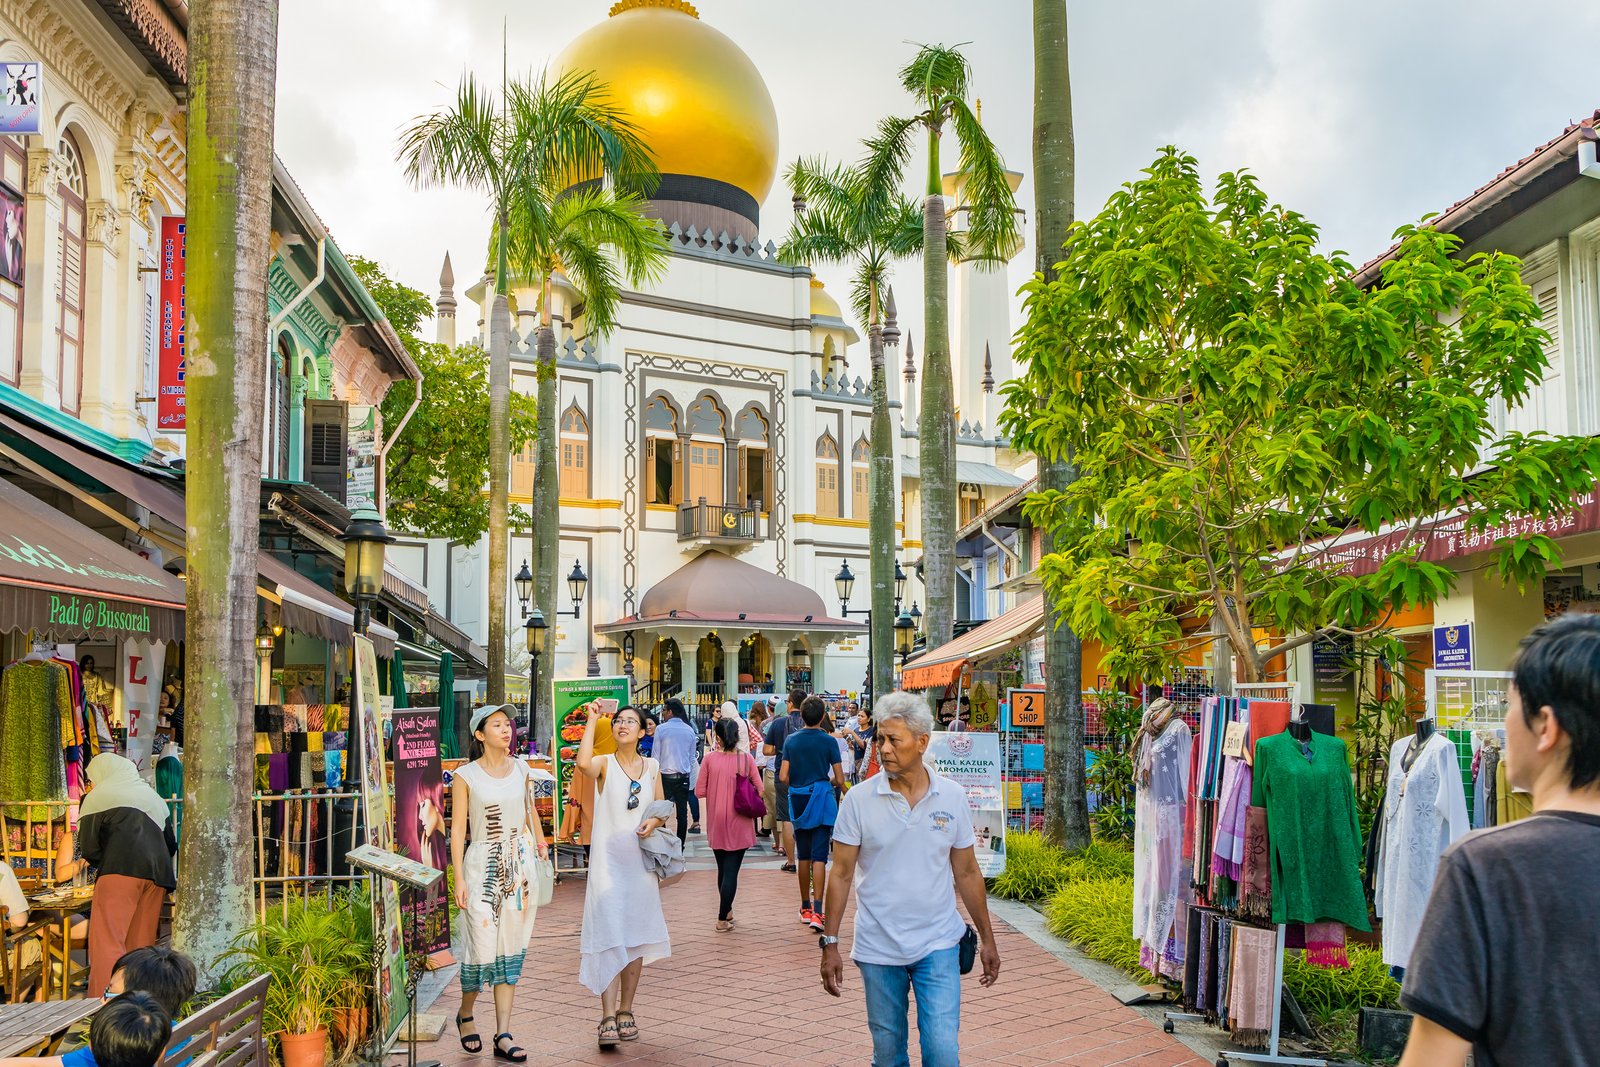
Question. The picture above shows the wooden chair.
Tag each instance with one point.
(22, 979)
(224, 1034)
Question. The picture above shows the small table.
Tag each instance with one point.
(36, 1029)
(62, 903)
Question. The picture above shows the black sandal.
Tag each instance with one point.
(623, 1028)
(477, 1042)
(514, 1054)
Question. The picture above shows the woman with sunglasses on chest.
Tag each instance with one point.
(493, 875)
(623, 927)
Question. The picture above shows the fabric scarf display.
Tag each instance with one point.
(1227, 853)
(1160, 878)
(1252, 997)
(1267, 718)
(1323, 943)
(1255, 872)
(35, 710)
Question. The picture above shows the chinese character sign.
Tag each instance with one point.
(170, 321)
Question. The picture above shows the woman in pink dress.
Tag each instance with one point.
(729, 833)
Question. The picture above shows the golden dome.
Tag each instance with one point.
(699, 101)
(823, 305)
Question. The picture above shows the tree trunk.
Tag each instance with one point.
(1066, 798)
(937, 422)
(232, 73)
(499, 485)
(546, 522)
(880, 514)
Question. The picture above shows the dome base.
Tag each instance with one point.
(706, 204)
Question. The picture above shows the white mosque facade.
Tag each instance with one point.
(713, 447)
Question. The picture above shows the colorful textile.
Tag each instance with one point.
(1254, 993)
(1227, 852)
(497, 923)
(1255, 873)
(1160, 878)
(1325, 947)
(1315, 838)
(1267, 718)
(35, 703)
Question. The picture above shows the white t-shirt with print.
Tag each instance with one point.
(904, 884)
(12, 897)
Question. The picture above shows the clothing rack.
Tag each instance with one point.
(1462, 703)
(1290, 692)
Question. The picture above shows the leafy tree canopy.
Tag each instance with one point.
(1234, 401)
(438, 468)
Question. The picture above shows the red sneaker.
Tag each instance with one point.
(808, 917)
(818, 921)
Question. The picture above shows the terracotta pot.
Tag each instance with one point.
(350, 1026)
(304, 1050)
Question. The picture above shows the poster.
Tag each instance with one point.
(13, 253)
(972, 761)
(574, 701)
(361, 466)
(19, 107)
(171, 309)
(419, 829)
(380, 832)
(985, 706)
(1333, 675)
(1452, 647)
(142, 664)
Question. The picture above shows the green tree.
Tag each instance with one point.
(232, 65)
(1235, 401)
(848, 220)
(1055, 166)
(501, 149)
(939, 79)
(436, 471)
(596, 236)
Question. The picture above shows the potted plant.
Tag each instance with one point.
(305, 949)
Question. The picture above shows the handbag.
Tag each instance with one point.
(747, 799)
(544, 882)
(969, 949)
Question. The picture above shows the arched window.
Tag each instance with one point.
(74, 260)
(755, 453)
(708, 427)
(971, 502)
(13, 254)
(705, 418)
(661, 451)
(278, 408)
(523, 464)
(860, 464)
(574, 454)
(827, 475)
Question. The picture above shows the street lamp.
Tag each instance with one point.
(365, 541)
(524, 584)
(627, 654)
(905, 636)
(536, 631)
(899, 587)
(845, 583)
(577, 583)
(265, 643)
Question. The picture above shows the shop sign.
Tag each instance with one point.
(392, 1001)
(1027, 708)
(576, 700)
(142, 664)
(972, 761)
(419, 828)
(19, 107)
(92, 614)
(1452, 647)
(171, 308)
(361, 474)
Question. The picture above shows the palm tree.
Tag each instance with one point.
(939, 78)
(849, 220)
(502, 148)
(233, 60)
(1066, 802)
(598, 238)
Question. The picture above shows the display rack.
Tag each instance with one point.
(1022, 759)
(1462, 703)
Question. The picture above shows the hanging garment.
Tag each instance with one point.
(1424, 811)
(1314, 836)
(1159, 875)
(1510, 804)
(1487, 812)
(1253, 996)
(1227, 852)
(1255, 873)
(35, 698)
(1267, 718)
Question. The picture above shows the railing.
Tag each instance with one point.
(718, 522)
(301, 841)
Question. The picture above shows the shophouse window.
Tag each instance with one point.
(13, 254)
(74, 261)
(574, 454)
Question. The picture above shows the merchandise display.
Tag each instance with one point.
(1424, 810)
(1160, 884)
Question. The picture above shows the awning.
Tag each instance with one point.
(942, 665)
(968, 471)
(59, 577)
(310, 609)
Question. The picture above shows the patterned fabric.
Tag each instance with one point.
(502, 970)
(35, 705)
(1253, 995)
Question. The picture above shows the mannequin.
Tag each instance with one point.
(1424, 810)
(1414, 749)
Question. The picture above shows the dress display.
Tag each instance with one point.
(622, 918)
(36, 731)
(497, 923)
(1425, 809)
(1160, 876)
(1313, 833)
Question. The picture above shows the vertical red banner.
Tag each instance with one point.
(171, 308)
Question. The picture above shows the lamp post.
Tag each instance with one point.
(524, 583)
(266, 641)
(365, 541)
(845, 582)
(627, 657)
(536, 631)
(577, 583)
(905, 637)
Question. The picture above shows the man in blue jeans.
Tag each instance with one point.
(910, 833)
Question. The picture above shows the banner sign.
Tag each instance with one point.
(1452, 647)
(361, 472)
(576, 699)
(972, 761)
(171, 309)
(19, 106)
(419, 829)
(392, 1002)
(142, 664)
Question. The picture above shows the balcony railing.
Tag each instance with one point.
(718, 522)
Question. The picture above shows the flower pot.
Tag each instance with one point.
(304, 1050)
(350, 1026)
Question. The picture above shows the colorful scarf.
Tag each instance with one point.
(1227, 854)
(1156, 717)
(1255, 875)
(1205, 994)
(1323, 943)
(1253, 995)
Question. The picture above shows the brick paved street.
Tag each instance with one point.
(753, 996)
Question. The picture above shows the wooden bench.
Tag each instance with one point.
(224, 1034)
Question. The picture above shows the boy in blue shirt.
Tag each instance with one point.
(160, 976)
(812, 774)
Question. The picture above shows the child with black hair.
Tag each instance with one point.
(160, 976)
(130, 1031)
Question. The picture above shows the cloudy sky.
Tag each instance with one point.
(1364, 115)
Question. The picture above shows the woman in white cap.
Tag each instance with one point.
(494, 874)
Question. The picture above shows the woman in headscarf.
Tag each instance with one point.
(123, 833)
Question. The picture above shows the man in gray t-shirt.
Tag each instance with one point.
(1505, 963)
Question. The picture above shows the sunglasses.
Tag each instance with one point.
(633, 796)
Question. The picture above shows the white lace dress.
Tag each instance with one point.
(622, 919)
(1159, 873)
(1424, 811)
(497, 923)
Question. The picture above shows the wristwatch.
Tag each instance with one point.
(825, 940)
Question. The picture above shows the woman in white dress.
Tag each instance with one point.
(494, 873)
(623, 928)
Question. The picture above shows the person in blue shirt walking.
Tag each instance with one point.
(813, 775)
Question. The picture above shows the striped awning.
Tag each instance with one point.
(942, 666)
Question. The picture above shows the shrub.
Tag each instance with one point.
(1033, 871)
(1332, 996)
(1103, 859)
(1097, 916)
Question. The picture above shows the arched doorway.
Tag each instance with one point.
(710, 660)
(755, 663)
(666, 665)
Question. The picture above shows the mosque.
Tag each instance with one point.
(713, 447)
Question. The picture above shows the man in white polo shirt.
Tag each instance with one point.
(904, 838)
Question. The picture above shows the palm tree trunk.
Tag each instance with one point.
(232, 71)
(880, 513)
(546, 516)
(937, 422)
(1066, 800)
(499, 486)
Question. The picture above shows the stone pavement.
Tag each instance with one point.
(753, 996)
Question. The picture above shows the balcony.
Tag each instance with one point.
(718, 524)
